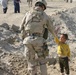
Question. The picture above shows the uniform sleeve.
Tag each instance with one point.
(22, 23)
(50, 27)
(68, 52)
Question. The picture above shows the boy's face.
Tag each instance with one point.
(62, 38)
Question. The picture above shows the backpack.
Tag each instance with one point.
(35, 18)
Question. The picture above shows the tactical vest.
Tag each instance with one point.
(35, 22)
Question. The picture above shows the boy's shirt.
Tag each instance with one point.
(63, 48)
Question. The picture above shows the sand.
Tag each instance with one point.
(12, 61)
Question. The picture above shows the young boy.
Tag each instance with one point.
(63, 53)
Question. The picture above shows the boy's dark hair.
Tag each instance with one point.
(66, 36)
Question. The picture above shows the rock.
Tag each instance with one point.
(52, 61)
(15, 28)
(5, 25)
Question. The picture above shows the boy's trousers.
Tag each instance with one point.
(64, 64)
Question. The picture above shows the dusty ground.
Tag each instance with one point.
(12, 61)
(11, 18)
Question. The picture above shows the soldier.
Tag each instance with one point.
(29, 3)
(33, 26)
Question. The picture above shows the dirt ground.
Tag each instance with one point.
(13, 62)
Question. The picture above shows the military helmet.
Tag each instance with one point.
(41, 3)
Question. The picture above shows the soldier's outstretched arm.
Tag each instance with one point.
(51, 27)
(22, 23)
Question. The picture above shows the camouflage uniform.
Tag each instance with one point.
(34, 41)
